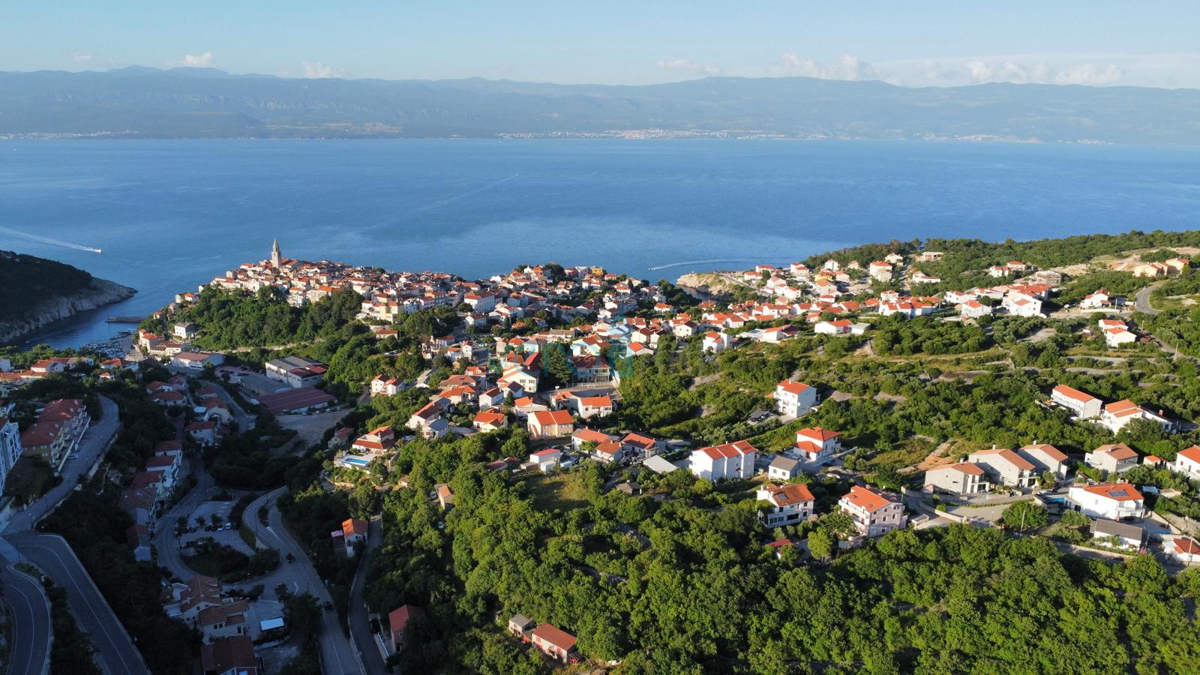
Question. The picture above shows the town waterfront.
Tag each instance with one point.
(170, 215)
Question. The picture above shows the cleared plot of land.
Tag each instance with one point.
(311, 427)
(556, 491)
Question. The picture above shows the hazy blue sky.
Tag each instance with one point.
(923, 42)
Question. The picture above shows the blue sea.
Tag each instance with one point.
(170, 215)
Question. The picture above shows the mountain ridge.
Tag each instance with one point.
(142, 102)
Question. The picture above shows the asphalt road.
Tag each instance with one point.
(27, 603)
(1141, 301)
(360, 621)
(338, 655)
(115, 651)
(166, 545)
(94, 442)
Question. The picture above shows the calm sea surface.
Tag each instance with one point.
(170, 215)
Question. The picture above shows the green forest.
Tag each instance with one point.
(29, 281)
(674, 586)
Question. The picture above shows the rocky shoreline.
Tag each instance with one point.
(101, 292)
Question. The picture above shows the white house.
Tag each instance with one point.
(815, 444)
(1113, 501)
(783, 468)
(1115, 337)
(1005, 467)
(1116, 415)
(546, 459)
(875, 512)
(1084, 406)
(715, 341)
(963, 478)
(1183, 549)
(731, 460)
(1117, 458)
(1187, 462)
(1046, 458)
(1020, 304)
(794, 398)
(839, 327)
(1130, 537)
(973, 309)
(790, 503)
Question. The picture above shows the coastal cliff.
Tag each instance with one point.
(35, 291)
(101, 292)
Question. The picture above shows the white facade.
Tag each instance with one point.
(731, 460)
(1187, 462)
(1005, 467)
(1113, 501)
(790, 504)
(794, 398)
(963, 478)
(875, 512)
(1084, 406)
(10, 447)
(1117, 458)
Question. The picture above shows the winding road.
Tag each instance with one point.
(115, 650)
(1141, 301)
(30, 609)
(338, 655)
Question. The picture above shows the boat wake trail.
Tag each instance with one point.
(468, 193)
(704, 262)
(48, 240)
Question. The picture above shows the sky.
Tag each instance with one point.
(904, 42)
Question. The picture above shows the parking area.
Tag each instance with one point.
(312, 426)
(221, 533)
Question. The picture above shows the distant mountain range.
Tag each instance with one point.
(207, 103)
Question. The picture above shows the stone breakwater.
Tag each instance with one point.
(101, 292)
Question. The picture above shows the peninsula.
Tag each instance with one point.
(37, 291)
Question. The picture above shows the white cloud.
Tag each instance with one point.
(204, 60)
(980, 71)
(847, 67)
(317, 71)
(81, 58)
(690, 67)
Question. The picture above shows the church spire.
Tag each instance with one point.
(276, 256)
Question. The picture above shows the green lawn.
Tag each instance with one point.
(556, 491)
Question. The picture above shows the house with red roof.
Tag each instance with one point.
(1005, 467)
(1113, 501)
(963, 478)
(817, 444)
(551, 424)
(399, 620)
(793, 398)
(489, 420)
(1187, 462)
(1114, 458)
(875, 512)
(790, 503)
(727, 461)
(354, 530)
(554, 642)
(547, 459)
(1084, 406)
